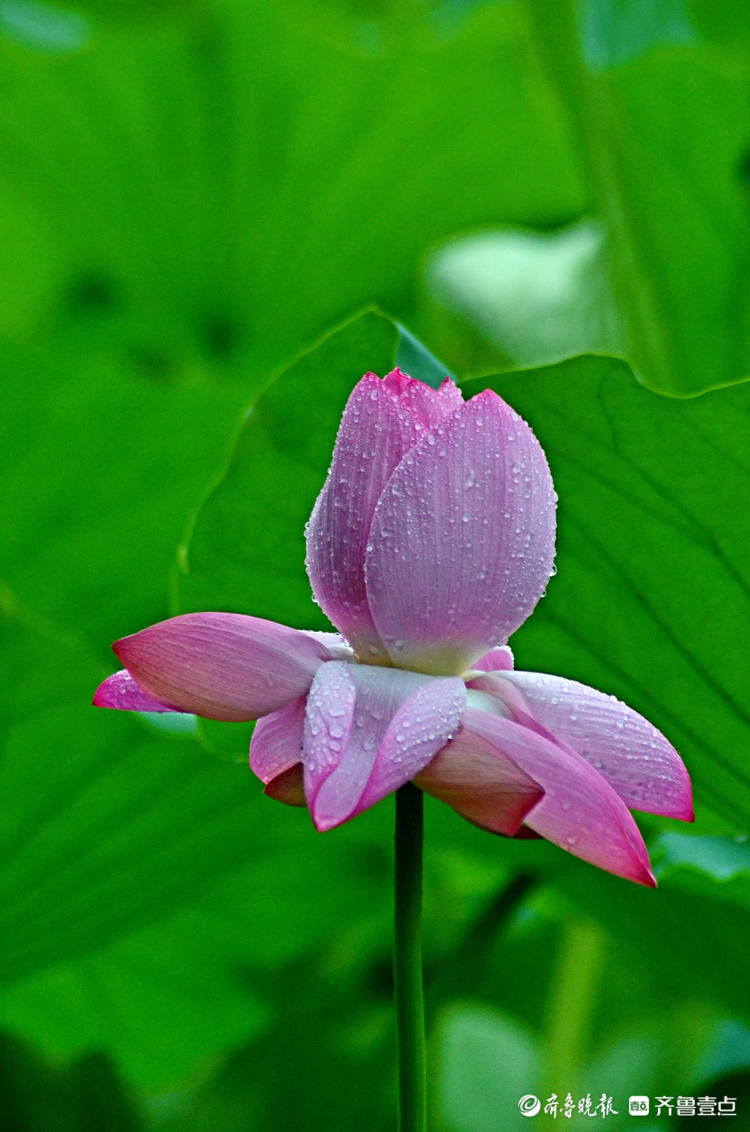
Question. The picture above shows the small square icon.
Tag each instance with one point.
(638, 1106)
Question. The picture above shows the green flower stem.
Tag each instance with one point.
(407, 962)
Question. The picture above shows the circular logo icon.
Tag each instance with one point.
(529, 1105)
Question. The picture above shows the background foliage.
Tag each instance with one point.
(192, 195)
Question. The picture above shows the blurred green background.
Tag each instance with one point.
(197, 202)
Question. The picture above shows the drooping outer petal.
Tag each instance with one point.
(276, 753)
(276, 742)
(462, 539)
(635, 758)
(368, 730)
(121, 691)
(222, 665)
(481, 783)
(383, 419)
(579, 811)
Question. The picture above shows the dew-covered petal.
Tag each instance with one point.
(480, 783)
(222, 665)
(635, 758)
(121, 691)
(383, 419)
(276, 742)
(368, 730)
(462, 540)
(579, 811)
(288, 787)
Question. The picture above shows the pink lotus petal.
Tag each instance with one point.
(276, 742)
(333, 643)
(481, 784)
(381, 422)
(580, 811)
(508, 697)
(222, 665)
(121, 691)
(462, 540)
(288, 787)
(635, 758)
(499, 659)
(368, 730)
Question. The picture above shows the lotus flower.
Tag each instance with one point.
(431, 541)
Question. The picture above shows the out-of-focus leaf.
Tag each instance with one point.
(41, 666)
(654, 575)
(332, 1020)
(38, 1096)
(716, 866)
(691, 1044)
(668, 182)
(723, 858)
(162, 1002)
(48, 29)
(126, 828)
(537, 296)
(721, 21)
(485, 1064)
(618, 31)
(728, 1052)
(98, 470)
(662, 939)
(287, 171)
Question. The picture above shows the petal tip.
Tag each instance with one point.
(323, 824)
(332, 817)
(100, 698)
(489, 396)
(398, 382)
(642, 872)
(688, 814)
(679, 806)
